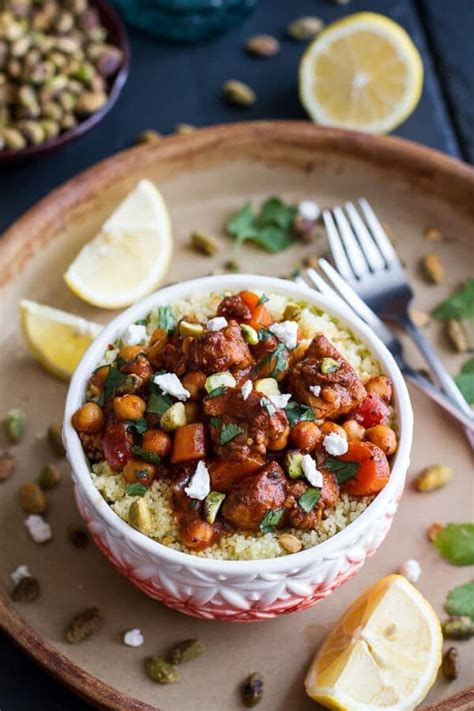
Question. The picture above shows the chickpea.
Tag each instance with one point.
(89, 418)
(197, 534)
(381, 386)
(328, 394)
(137, 472)
(333, 428)
(99, 376)
(158, 340)
(193, 413)
(139, 366)
(354, 431)
(129, 407)
(281, 442)
(384, 437)
(305, 436)
(157, 442)
(130, 352)
(194, 383)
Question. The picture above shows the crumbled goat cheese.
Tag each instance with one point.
(39, 530)
(21, 572)
(200, 484)
(280, 401)
(312, 474)
(286, 332)
(315, 389)
(335, 444)
(309, 210)
(133, 638)
(411, 569)
(246, 389)
(134, 335)
(216, 324)
(170, 384)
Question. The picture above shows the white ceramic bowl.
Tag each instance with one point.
(236, 590)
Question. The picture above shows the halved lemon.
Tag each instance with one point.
(57, 339)
(362, 72)
(383, 654)
(131, 254)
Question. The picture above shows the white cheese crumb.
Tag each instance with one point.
(134, 335)
(315, 389)
(411, 569)
(280, 401)
(170, 384)
(200, 484)
(312, 474)
(133, 638)
(21, 572)
(216, 324)
(309, 210)
(286, 332)
(246, 389)
(335, 444)
(39, 530)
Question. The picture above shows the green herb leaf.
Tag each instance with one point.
(217, 391)
(459, 305)
(263, 299)
(165, 319)
(140, 425)
(343, 471)
(271, 520)
(229, 432)
(455, 542)
(241, 223)
(141, 453)
(158, 403)
(468, 367)
(296, 412)
(136, 489)
(263, 334)
(275, 212)
(309, 499)
(279, 356)
(274, 239)
(465, 381)
(112, 381)
(141, 322)
(215, 421)
(460, 601)
(271, 229)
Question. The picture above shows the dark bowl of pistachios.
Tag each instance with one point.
(63, 64)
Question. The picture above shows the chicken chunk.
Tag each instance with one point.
(250, 499)
(323, 366)
(297, 516)
(234, 307)
(216, 351)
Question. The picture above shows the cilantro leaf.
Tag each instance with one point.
(263, 299)
(275, 212)
(165, 319)
(271, 229)
(309, 499)
(278, 355)
(112, 381)
(460, 601)
(465, 381)
(274, 239)
(468, 367)
(158, 403)
(455, 542)
(296, 412)
(459, 305)
(136, 489)
(343, 471)
(263, 334)
(140, 425)
(241, 224)
(217, 391)
(141, 453)
(215, 421)
(271, 520)
(229, 432)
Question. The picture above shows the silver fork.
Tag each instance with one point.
(389, 339)
(367, 262)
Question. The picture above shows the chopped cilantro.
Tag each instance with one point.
(112, 381)
(296, 412)
(280, 365)
(193, 504)
(271, 520)
(136, 489)
(460, 601)
(141, 453)
(271, 228)
(215, 421)
(459, 305)
(165, 319)
(263, 334)
(465, 381)
(309, 499)
(217, 391)
(263, 299)
(140, 425)
(158, 403)
(343, 471)
(229, 432)
(455, 542)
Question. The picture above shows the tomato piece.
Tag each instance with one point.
(261, 317)
(372, 411)
(115, 443)
(374, 469)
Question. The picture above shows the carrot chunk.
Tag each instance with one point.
(373, 472)
(189, 443)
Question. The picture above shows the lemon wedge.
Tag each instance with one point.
(383, 654)
(131, 254)
(362, 72)
(57, 339)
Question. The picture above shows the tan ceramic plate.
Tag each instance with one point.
(204, 177)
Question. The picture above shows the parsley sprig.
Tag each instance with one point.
(309, 499)
(455, 542)
(271, 520)
(227, 432)
(458, 306)
(296, 412)
(465, 381)
(112, 381)
(146, 456)
(343, 471)
(271, 228)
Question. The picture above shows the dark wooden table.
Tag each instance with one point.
(170, 84)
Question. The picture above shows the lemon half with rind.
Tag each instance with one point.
(131, 254)
(383, 654)
(57, 339)
(363, 73)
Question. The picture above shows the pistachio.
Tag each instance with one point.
(458, 628)
(53, 88)
(173, 418)
(419, 318)
(305, 28)
(67, 122)
(64, 22)
(310, 262)
(450, 664)
(49, 477)
(238, 93)
(83, 625)
(432, 234)
(212, 504)
(184, 128)
(456, 335)
(187, 328)
(263, 45)
(15, 425)
(109, 61)
(204, 243)
(139, 515)
(42, 72)
(292, 312)
(186, 651)
(232, 265)
(433, 477)
(32, 131)
(249, 333)
(159, 670)
(290, 543)
(7, 464)
(89, 102)
(55, 438)
(32, 499)
(434, 529)
(20, 47)
(26, 590)
(53, 111)
(78, 536)
(149, 136)
(432, 268)
(252, 690)
(329, 365)
(306, 230)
